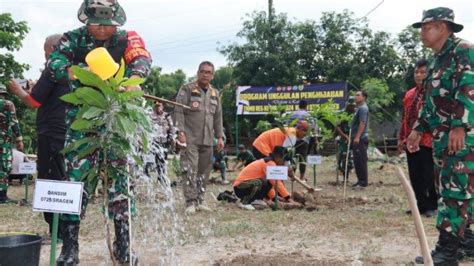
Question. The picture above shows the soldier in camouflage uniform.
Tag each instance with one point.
(164, 139)
(198, 127)
(101, 18)
(343, 131)
(448, 112)
(167, 131)
(9, 130)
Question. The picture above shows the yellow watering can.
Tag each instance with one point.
(101, 63)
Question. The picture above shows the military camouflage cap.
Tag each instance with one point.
(3, 89)
(101, 12)
(439, 14)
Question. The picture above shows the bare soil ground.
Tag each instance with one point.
(370, 229)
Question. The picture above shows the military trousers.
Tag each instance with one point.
(196, 165)
(456, 186)
(251, 190)
(5, 165)
(342, 156)
(118, 173)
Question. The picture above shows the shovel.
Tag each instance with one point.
(310, 189)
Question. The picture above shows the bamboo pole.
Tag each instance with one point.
(129, 222)
(106, 207)
(154, 98)
(346, 176)
(420, 231)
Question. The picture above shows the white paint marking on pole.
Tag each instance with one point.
(277, 172)
(240, 109)
(58, 196)
(314, 159)
(27, 168)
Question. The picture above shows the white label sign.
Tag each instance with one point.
(277, 172)
(27, 168)
(314, 159)
(58, 196)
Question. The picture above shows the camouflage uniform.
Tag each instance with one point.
(344, 126)
(9, 129)
(166, 129)
(342, 151)
(71, 50)
(220, 160)
(448, 104)
(165, 133)
(199, 124)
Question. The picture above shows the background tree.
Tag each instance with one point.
(12, 35)
(164, 85)
(338, 47)
(225, 83)
(258, 63)
(410, 50)
(379, 97)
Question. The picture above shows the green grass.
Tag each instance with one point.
(368, 231)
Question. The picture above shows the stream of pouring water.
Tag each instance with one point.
(156, 231)
(156, 227)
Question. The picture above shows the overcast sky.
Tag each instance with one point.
(181, 33)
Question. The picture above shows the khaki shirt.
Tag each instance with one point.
(205, 117)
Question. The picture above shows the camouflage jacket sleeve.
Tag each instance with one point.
(137, 58)
(61, 59)
(13, 121)
(218, 128)
(421, 124)
(172, 129)
(463, 111)
(182, 98)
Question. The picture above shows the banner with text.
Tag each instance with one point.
(262, 100)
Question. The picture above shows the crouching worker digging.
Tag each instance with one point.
(252, 187)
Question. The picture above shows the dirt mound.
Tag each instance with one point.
(287, 259)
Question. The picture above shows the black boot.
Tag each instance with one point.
(122, 243)
(70, 251)
(467, 244)
(446, 251)
(3, 196)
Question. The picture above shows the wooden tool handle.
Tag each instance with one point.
(310, 189)
(154, 98)
(420, 230)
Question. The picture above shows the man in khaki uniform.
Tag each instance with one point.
(197, 128)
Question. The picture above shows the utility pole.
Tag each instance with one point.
(270, 27)
(270, 11)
